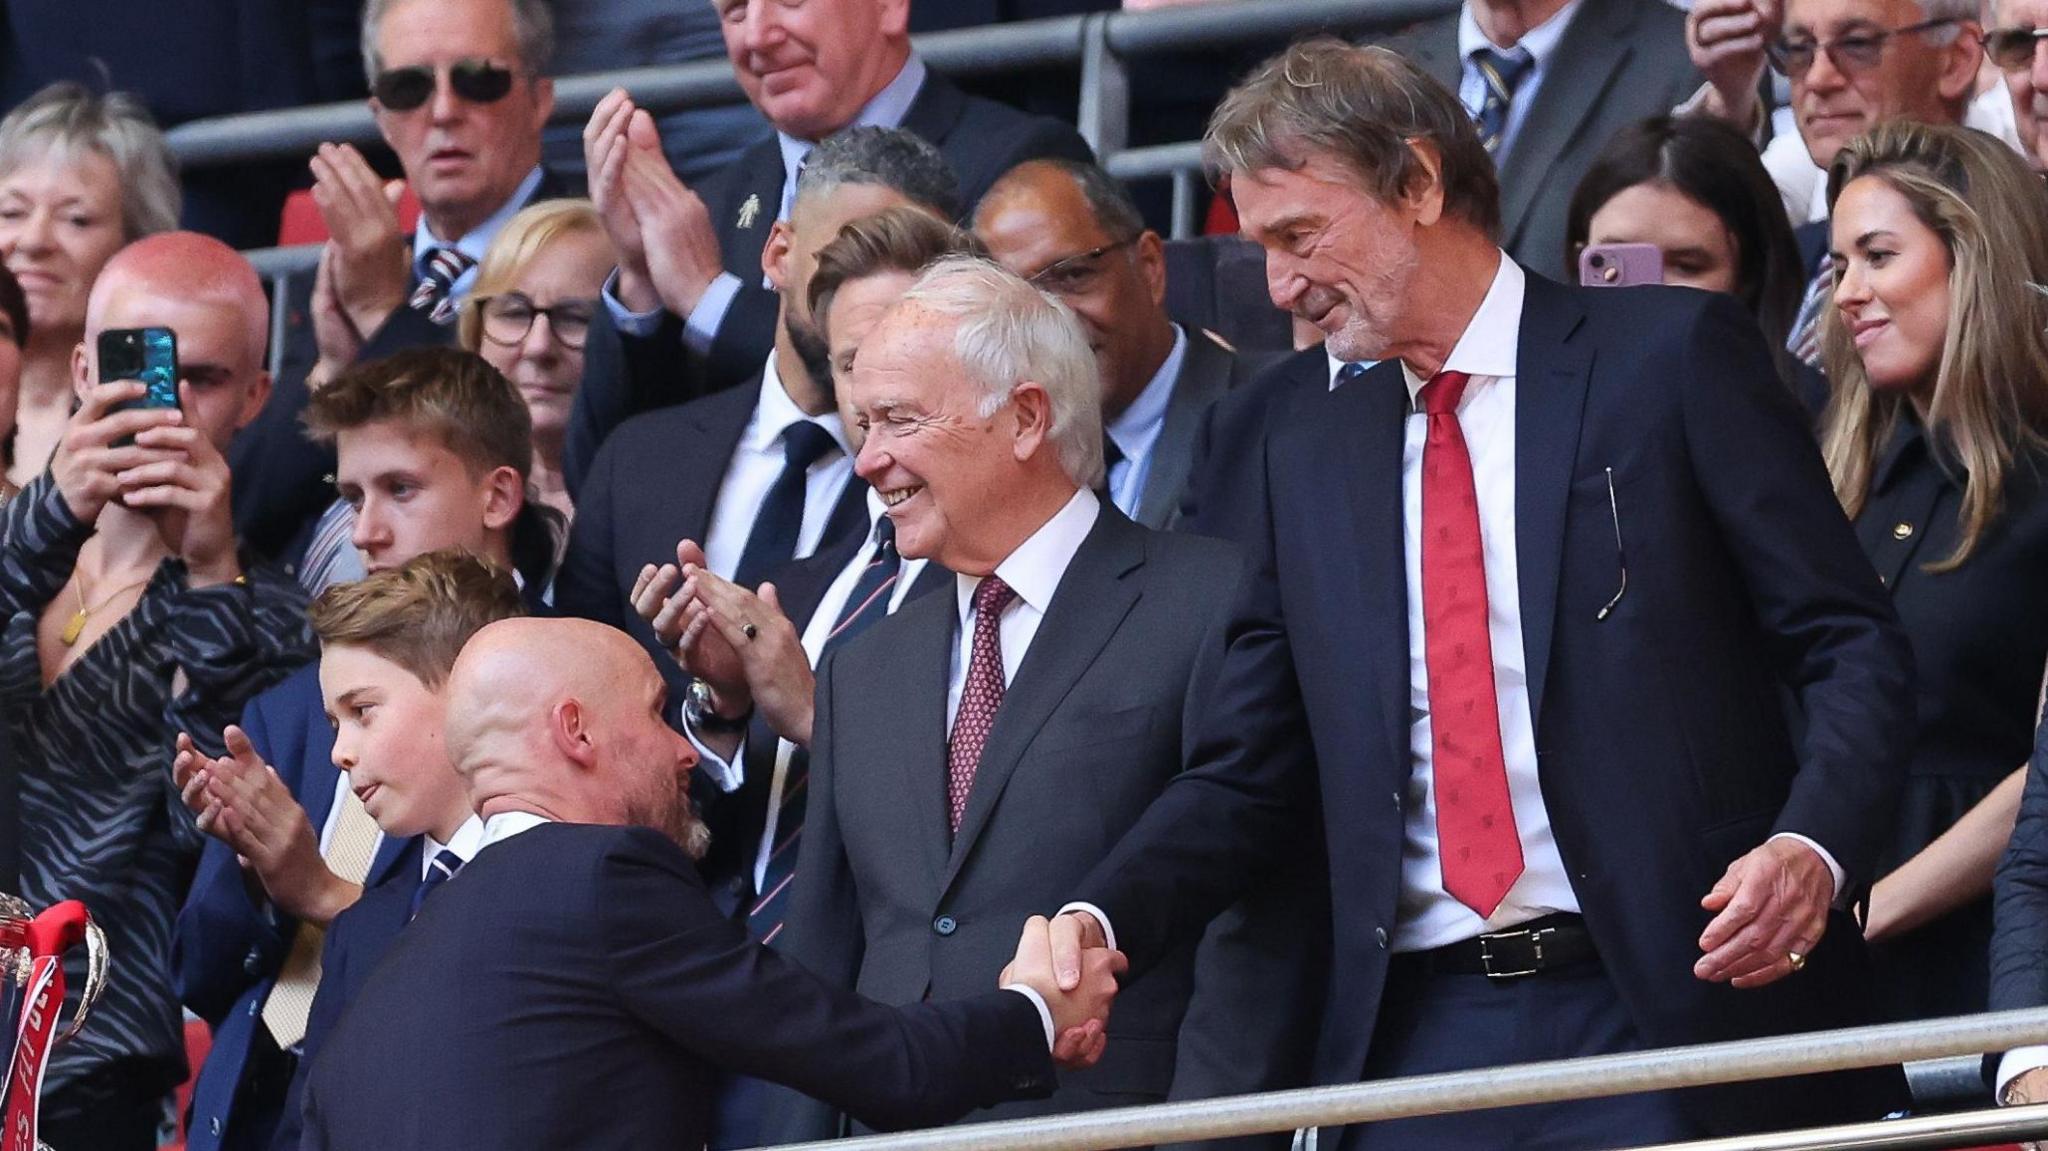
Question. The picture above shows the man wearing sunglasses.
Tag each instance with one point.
(459, 91)
(689, 301)
(2015, 46)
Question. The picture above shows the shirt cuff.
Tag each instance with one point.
(731, 775)
(2016, 1063)
(1834, 869)
(627, 321)
(1044, 1012)
(705, 319)
(1101, 918)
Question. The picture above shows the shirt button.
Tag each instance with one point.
(1902, 530)
(1379, 936)
(945, 925)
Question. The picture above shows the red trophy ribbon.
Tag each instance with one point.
(35, 948)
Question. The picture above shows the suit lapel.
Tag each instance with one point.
(1364, 441)
(1551, 377)
(717, 424)
(1204, 376)
(743, 219)
(936, 109)
(1593, 51)
(923, 651)
(1433, 46)
(1093, 598)
(393, 855)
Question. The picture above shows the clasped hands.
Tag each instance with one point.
(739, 643)
(239, 799)
(1077, 984)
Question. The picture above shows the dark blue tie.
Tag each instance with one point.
(439, 871)
(1499, 75)
(772, 543)
(1350, 372)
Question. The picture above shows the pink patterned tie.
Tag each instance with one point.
(979, 697)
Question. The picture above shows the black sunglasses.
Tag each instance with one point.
(2013, 48)
(477, 81)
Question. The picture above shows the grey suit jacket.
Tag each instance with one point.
(1093, 725)
(1620, 61)
(1209, 370)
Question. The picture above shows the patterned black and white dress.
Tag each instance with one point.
(100, 819)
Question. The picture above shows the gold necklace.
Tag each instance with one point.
(76, 626)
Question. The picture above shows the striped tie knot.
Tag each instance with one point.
(1500, 73)
(435, 294)
(440, 870)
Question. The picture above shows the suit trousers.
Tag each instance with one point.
(1431, 1023)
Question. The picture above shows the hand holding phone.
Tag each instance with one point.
(149, 355)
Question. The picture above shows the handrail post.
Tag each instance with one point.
(1105, 116)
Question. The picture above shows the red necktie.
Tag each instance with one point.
(1475, 819)
(980, 696)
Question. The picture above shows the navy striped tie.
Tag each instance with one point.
(439, 871)
(435, 294)
(1499, 74)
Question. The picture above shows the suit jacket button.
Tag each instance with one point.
(1902, 530)
(945, 925)
(1379, 936)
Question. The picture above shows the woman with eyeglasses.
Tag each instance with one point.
(529, 314)
(1936, 437)
(81, 175)
(1695, 188)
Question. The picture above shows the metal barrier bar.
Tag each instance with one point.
(1585, 1078)
(1925, 1131)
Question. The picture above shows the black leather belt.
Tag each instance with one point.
(1532, 948)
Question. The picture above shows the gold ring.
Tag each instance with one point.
(749, 630)
(1797, 960)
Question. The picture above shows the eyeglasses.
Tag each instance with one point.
(1856, 52)
(2013, 48)
(508, 319)
(1078, 274)
(477, 81)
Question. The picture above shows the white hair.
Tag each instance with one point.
(1957, 10)
(1008, 332)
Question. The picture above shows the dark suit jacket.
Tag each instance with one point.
(1619, 61)
(285, 486)
(2019, 936)
(1221, 498)
(889, 903)
(571, 965)
(738, 818)
(1743, 576)
(356, 941)
(981, 139)
(229, 943)
(1208, 372)
(656, 482)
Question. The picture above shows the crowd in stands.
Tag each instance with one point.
(618, 653)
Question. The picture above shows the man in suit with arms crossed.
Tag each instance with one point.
(577, 957)
(1579, 541)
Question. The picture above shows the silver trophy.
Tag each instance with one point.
(17, 963)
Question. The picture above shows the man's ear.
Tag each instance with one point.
(504, 495)
(252, 403)
(569, 729)
(775, 254)
(1150, 252)
(81, 371)
(1033, 411)
(1425, 201)
(1961, 59)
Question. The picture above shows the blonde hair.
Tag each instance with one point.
(523, 237)
(419, 614)
(68, 119)
(1990, 398)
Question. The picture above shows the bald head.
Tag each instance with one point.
(563, 718)
(188, 267)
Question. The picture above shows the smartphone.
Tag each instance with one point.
(146, 354)
(1621, 265)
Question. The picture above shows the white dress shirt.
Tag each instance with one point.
(468, 838)
(477, 242)
(1136, 431)
(886, 110)
(1034, 572)
(1541, 43)
(754, 468)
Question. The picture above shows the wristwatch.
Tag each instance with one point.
(699, 713)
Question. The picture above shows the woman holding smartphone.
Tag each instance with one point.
(1936, 437)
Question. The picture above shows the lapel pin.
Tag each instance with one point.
(750, 211)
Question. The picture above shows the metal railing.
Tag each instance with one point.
(1102, 45)
(1585, 1078)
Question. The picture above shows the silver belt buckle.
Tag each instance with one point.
(1535, 939)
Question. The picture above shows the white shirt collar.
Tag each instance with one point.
(506, 824)
(478, 241)
(776, 411)
(1138, 428)
(1035, 568)
(1540, 41)
(468, 838)
(1487, 347)
(886, 109)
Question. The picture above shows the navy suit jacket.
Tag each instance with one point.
(230, 943)
(575, 964)
(1744, 581)
(980, 138)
